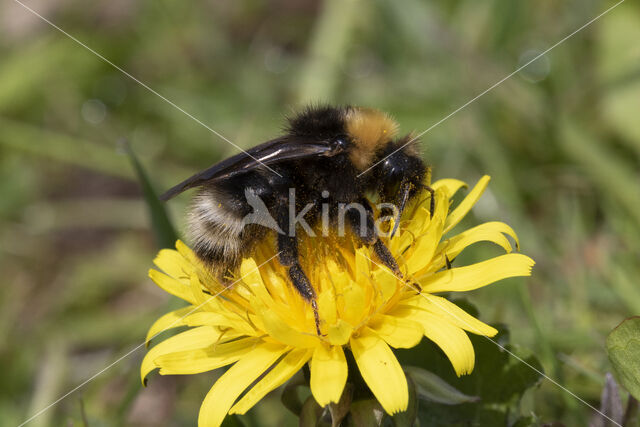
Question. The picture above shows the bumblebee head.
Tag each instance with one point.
(362, 132)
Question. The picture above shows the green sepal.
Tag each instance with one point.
(310, 414)
(366, 413)
(340, 410)
(290, 397)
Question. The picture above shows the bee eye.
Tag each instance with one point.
(340, 143)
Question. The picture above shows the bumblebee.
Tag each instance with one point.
(325, 156)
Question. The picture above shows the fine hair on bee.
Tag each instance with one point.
(318, 159)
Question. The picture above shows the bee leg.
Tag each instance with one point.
(403, 196)
(368, 235)
(432, 200)
(384, 255)
(303, 286)
(288, 248)
(226, 281)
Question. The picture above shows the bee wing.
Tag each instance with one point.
(270, 152)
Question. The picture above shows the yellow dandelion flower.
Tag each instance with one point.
(263, 328)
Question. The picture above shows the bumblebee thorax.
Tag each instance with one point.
(370, 130)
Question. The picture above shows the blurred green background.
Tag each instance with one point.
(561, 140)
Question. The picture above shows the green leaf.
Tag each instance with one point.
(623, 347)
(433, 388)
(163, 230)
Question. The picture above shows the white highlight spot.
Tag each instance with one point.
(93, 111)
(538, 70)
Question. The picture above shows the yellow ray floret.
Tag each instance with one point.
(263, 328)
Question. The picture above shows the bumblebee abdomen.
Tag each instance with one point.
(215, 227)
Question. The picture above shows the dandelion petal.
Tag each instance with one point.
(381, 370)
(172, 263)
(172, 286)
(284, 370)
(467, 203)
(339, 333)
(233, 382)
(328, 374)
(477, 275)
(203, 360)
(173, 319)
(449, 185)
(452, 340)
(457, 316)
(281, 331)
(487, 232)
(192, 339)
(396, 331)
